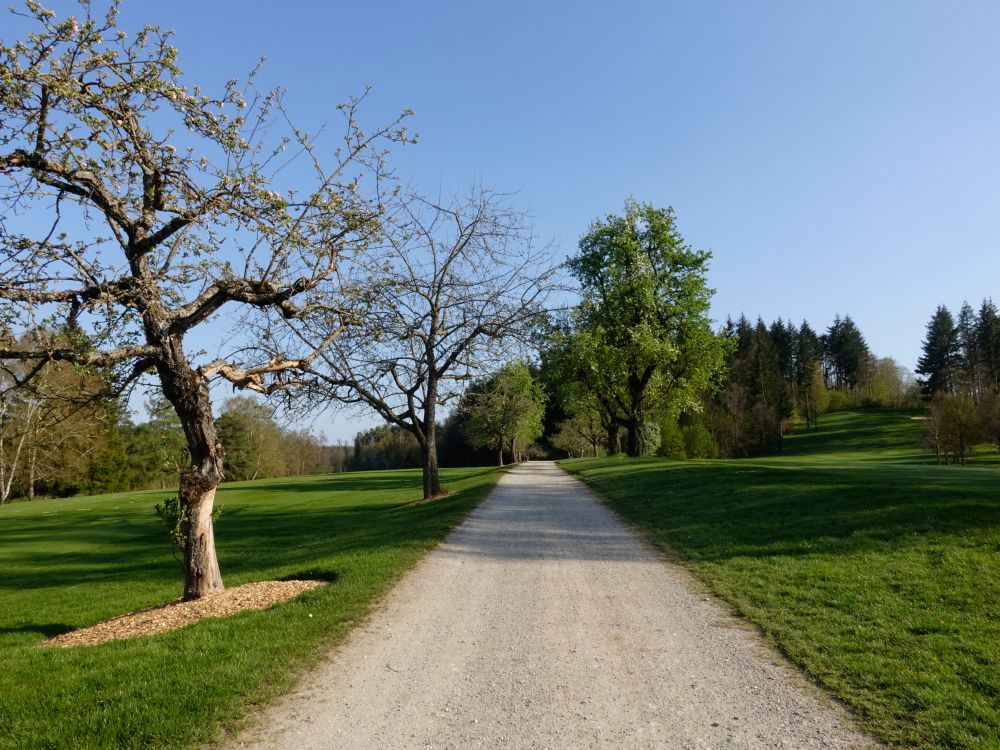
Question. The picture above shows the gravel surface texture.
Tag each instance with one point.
(544, 621)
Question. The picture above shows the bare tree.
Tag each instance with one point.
(18, 420)
(134, 209)
(455, 288)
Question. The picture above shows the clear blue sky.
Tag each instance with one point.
(835, 157)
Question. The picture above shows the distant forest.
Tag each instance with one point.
(776, 377)
(65, 437)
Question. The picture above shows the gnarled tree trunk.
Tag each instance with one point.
(201, 565)
(188, 392)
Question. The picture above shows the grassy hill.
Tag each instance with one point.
(70, 563)
(873, 568)
(883, 435)
(870, 435)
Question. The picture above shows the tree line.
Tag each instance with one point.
(960, 365)
(58, 440)
(497, 418)
(637, 367)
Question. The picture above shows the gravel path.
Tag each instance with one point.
(544, 622)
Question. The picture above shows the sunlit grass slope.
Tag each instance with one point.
(871, 567)
(70, 563)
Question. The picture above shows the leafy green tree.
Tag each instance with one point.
(698, 442)
(892, 384)
(166, 441)
(959, 426)
(672, 442)
(505, 411)
(453, 440)
(968, 359)
(940, 361)
(584, 432)
(55, 425)
(784, 337)
(755, 371)
(808, 358)
(385, 447)
(108, 469)
(640, 341)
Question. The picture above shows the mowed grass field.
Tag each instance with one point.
(872, 568)
(70, 563)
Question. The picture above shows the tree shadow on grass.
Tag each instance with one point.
(48, 630)
(256, 538)
(349, 482)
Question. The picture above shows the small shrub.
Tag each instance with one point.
(649, 438)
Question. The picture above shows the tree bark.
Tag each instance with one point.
(32, 462)
(428, 442)
(188, 392)
(614, 440)
(432, 480)
(632, 444)
(31, 482)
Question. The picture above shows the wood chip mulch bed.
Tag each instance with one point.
(178, 613)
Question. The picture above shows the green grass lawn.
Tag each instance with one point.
(871, 567)
(70, 563)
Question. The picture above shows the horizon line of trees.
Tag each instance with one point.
(69, 435)
(67, 440)
(772, 376)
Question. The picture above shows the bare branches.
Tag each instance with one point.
(88, 114)
(253, 378)
(99, 359)
(279, 373)
(98, 125)
(457, 286)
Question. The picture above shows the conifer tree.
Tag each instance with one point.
(847, 353)
(968, 353)
(940, 360)
(988, 346)
(808, 358)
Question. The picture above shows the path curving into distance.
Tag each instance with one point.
(543, 621)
